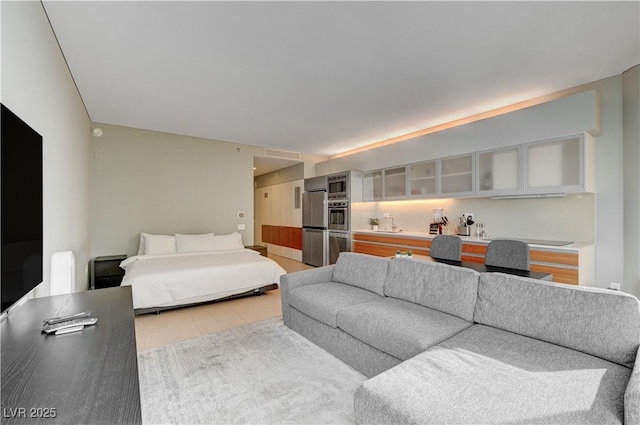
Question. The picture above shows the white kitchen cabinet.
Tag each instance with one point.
(395, 182)
(559, 165)
(456, 177)
(276, 213)
(498, 171)
(372, 185)
(422, 179)
(286, 203)
(265, 204)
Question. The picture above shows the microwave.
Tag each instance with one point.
(338, 186)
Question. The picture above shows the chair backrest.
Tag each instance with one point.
(507, 253)
(446, 247)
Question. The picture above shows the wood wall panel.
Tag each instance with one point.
(290, 237)
(275, 235)
(296, 238)
(286, 236)
(266, 233)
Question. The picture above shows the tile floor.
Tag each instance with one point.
(153, 330)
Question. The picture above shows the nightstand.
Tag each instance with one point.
(261, 249)
(105, 272)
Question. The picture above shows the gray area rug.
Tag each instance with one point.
(261, 373)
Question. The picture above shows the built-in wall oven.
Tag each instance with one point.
(338, 215)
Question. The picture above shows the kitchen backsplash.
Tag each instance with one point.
(570, 219)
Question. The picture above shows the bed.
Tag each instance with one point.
(169, 278)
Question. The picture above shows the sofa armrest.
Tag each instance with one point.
(295, 280)
(632, 395)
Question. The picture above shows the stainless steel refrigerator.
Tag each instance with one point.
(315, 235)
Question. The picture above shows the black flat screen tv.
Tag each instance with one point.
(21, 207)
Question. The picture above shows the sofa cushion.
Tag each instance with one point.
(443, 287)
(599, 322)
(361, 270)
(486, 375)
(323, 300)
(397, 327)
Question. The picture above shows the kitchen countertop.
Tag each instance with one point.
(471, 239)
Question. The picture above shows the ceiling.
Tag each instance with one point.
(324, 77)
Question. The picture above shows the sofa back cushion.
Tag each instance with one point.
(361, 270)
(442, 287)
(599, 322)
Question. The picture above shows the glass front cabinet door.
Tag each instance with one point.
(498, 171)
(457, 175)
(395, 182)
(372, 185)
(560, 165)
(422, 179)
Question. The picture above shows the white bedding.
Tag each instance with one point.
(174, 279)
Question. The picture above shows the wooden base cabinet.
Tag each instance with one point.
(386, 246)
(575, 266)
(571, 267)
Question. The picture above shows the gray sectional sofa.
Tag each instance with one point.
(444, 344)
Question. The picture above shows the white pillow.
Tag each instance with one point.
(228, 242)
(141, 244)
(195, 243)
(159, 244)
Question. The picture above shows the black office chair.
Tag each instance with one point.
(446, 247)
(507, 253)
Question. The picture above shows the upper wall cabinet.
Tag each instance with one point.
(395, 182)
(559, 165)
(457, 175)
(499, 171)
(372, 185)
(553, 166)
(422, 179)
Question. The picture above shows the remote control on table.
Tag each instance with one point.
(54, 320)
(86, 321)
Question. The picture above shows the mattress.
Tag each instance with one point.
(175, 279)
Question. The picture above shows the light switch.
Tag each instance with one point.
(241, 226)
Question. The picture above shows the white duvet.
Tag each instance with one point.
(175, 279)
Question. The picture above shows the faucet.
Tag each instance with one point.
(393, 225)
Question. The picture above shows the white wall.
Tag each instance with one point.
(631, 100)
(37, 86)
(147, 181)
(552, 218)
(608, 205)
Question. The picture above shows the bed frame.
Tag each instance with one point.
(255, 292)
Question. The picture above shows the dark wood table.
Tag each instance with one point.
(87, 377)
(483, 268)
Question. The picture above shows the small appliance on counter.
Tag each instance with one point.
(439, 220)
